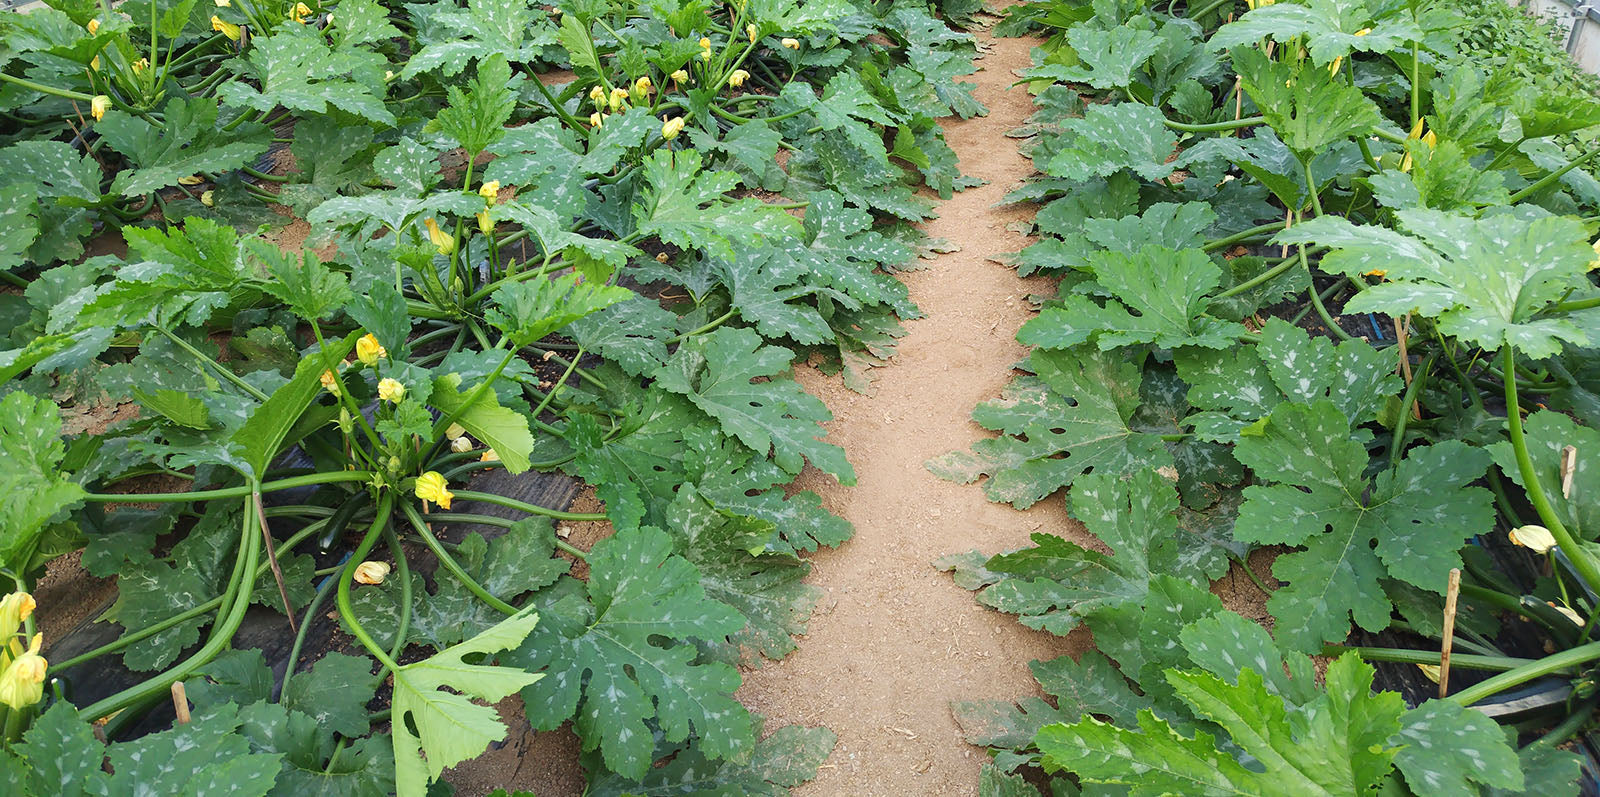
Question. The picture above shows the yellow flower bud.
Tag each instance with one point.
(791, 44)
(1333, 68)
(705, 43)
(750, 30)
(643, 85)
(388, 75)
(1416, 129)
(454, 430)
(22, 683)
(461, 445)
(225, 28)
(1431, 139)
(94, 63)
(369, 351)
(738, 77)
(596, 119)
(391, 390)
(208, 198)
(371, 572)
(15, 608)
(98, 106)
(597, 94)
(1363, 31)
(300, 12)
(223, 3)
(619, 96)
(670, 128)
(193, 179)
(1535, 538)
(680, 76)
(329, 382)
(485, 224)
(490, 192)
(93, 27)
(431, 486)
(441, 240)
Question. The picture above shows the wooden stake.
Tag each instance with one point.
(1401, 336)
(180, 702)
(1450, 595)
(272, 559)
(1569, 466)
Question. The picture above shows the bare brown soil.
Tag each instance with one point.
(894, 640)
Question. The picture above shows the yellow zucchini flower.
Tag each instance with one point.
(431, 486)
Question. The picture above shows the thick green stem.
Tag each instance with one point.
(346, 608)
(1580, 559)
(533, 509)
(1465, 661)
(330, 477)
(236, 602)
(1215, 127)
(1527, 672)
(1545, 181)
(450, 564)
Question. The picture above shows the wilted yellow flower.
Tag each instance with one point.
(643, 85)
(193, 179)
(329, 382)
(670, 128)
(790, 44)
(489, 456)
(225, 28)
(597, 119)
(441, 240)
(1569, 614)
(460, 445)
(750, 30)
(738, 77)
(300, 12)
(1377, 272)
(597, 94)
(454, 430)
(369, 351)
(661, 257)
(98, 106)
(223, 3)
(1333, 68)
(431, 486)
(94, 63)
(93, 27)
(490, 192)
(371, 572)
(1430, 670)
(22, 683)
(391, 390)
(705, 49)
(208, 198)
(1363, 31)
(141, 65)
(1535, 538)
(619, 96)
(680, 76)
(388, 75)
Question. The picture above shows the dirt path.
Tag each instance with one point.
(894, 641)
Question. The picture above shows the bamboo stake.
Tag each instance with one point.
(1569, 467)
(1450, 595)
(180, 702)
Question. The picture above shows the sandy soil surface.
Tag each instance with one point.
(894, 640)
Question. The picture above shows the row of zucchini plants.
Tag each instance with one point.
(543, 239)
(1325, 292)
